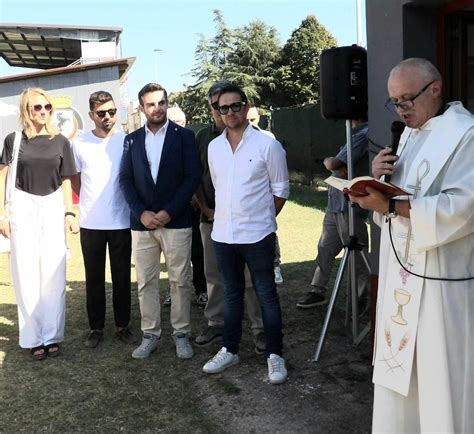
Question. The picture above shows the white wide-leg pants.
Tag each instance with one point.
(38, 266)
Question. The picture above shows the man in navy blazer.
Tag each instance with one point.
(159, 173)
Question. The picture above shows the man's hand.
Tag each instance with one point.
(382, 164)
(163, 217)
(375, 201)
(209, 213)
(149, 220)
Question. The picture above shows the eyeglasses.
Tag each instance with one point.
(215, 105)
(235, 107)
(408, 104)
(101, 113)
(39, 107)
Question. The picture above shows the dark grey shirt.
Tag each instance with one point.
(337, 202)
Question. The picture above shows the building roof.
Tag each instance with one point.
(43, 46)
(123, 64)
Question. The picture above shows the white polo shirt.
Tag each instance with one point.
(101, 201)
(245, 182)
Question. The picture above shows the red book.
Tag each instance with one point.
(357, 186)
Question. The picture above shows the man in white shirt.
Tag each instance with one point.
(250, 176)
(104, 218)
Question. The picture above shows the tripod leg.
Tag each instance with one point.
(332, 302)
(354, 295)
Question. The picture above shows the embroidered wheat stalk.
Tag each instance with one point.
(388, 336)
(404, 341)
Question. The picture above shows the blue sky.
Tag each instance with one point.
(173, 27)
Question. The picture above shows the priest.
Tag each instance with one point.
(423, 358)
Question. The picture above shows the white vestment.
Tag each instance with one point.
(440, 396)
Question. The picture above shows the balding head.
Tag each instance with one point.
(252, 116)
(177, 115)
(416, 84)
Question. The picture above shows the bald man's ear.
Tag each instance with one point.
(437, 88)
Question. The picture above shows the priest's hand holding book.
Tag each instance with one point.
(371, 193)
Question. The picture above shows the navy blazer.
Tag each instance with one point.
(179, 175)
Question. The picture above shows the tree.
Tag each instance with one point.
(298, 74)
(251, 63)
(211, 60)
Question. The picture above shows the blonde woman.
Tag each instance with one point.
(39, 207)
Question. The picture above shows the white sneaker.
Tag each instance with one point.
(184, 350)
(221, 361)
(277, 372)
(278, 276)
(149, 344)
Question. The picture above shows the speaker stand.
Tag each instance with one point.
(350, 251)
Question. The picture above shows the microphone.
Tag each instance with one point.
(397, 130)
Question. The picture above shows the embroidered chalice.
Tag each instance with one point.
(402, 297)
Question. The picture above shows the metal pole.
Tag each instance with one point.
(359, 22)
(156, 50)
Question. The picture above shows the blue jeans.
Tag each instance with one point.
(258, 256)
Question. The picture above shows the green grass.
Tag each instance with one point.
(105, 390)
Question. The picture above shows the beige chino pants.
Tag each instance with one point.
(176, 247)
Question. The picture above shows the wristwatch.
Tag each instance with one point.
(391, 214)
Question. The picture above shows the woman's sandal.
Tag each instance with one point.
(38, 353)
(52, 350)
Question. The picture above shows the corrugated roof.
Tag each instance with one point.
(43, 46)
(124, 65)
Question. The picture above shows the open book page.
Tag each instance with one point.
(357, 186)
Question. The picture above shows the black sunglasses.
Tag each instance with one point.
(39, 107)
(215, 105)
(235, 107)
(101, 113)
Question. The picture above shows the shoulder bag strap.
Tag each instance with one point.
(11, 177)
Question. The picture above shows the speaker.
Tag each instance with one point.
(343, 83)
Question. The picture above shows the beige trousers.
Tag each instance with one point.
(214, 311)
(176, 247)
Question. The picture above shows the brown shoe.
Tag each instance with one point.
(260, 343)
(126, 336)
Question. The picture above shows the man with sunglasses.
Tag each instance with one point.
(104, 218)
(250, 177)
(159, 173)
(214, 310)
(423, 369)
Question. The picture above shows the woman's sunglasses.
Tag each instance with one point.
(39, 107)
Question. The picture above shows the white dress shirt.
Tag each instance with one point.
(154, 148)
(245, 182)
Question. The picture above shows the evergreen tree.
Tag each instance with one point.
(252, 62)
(298, 75)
